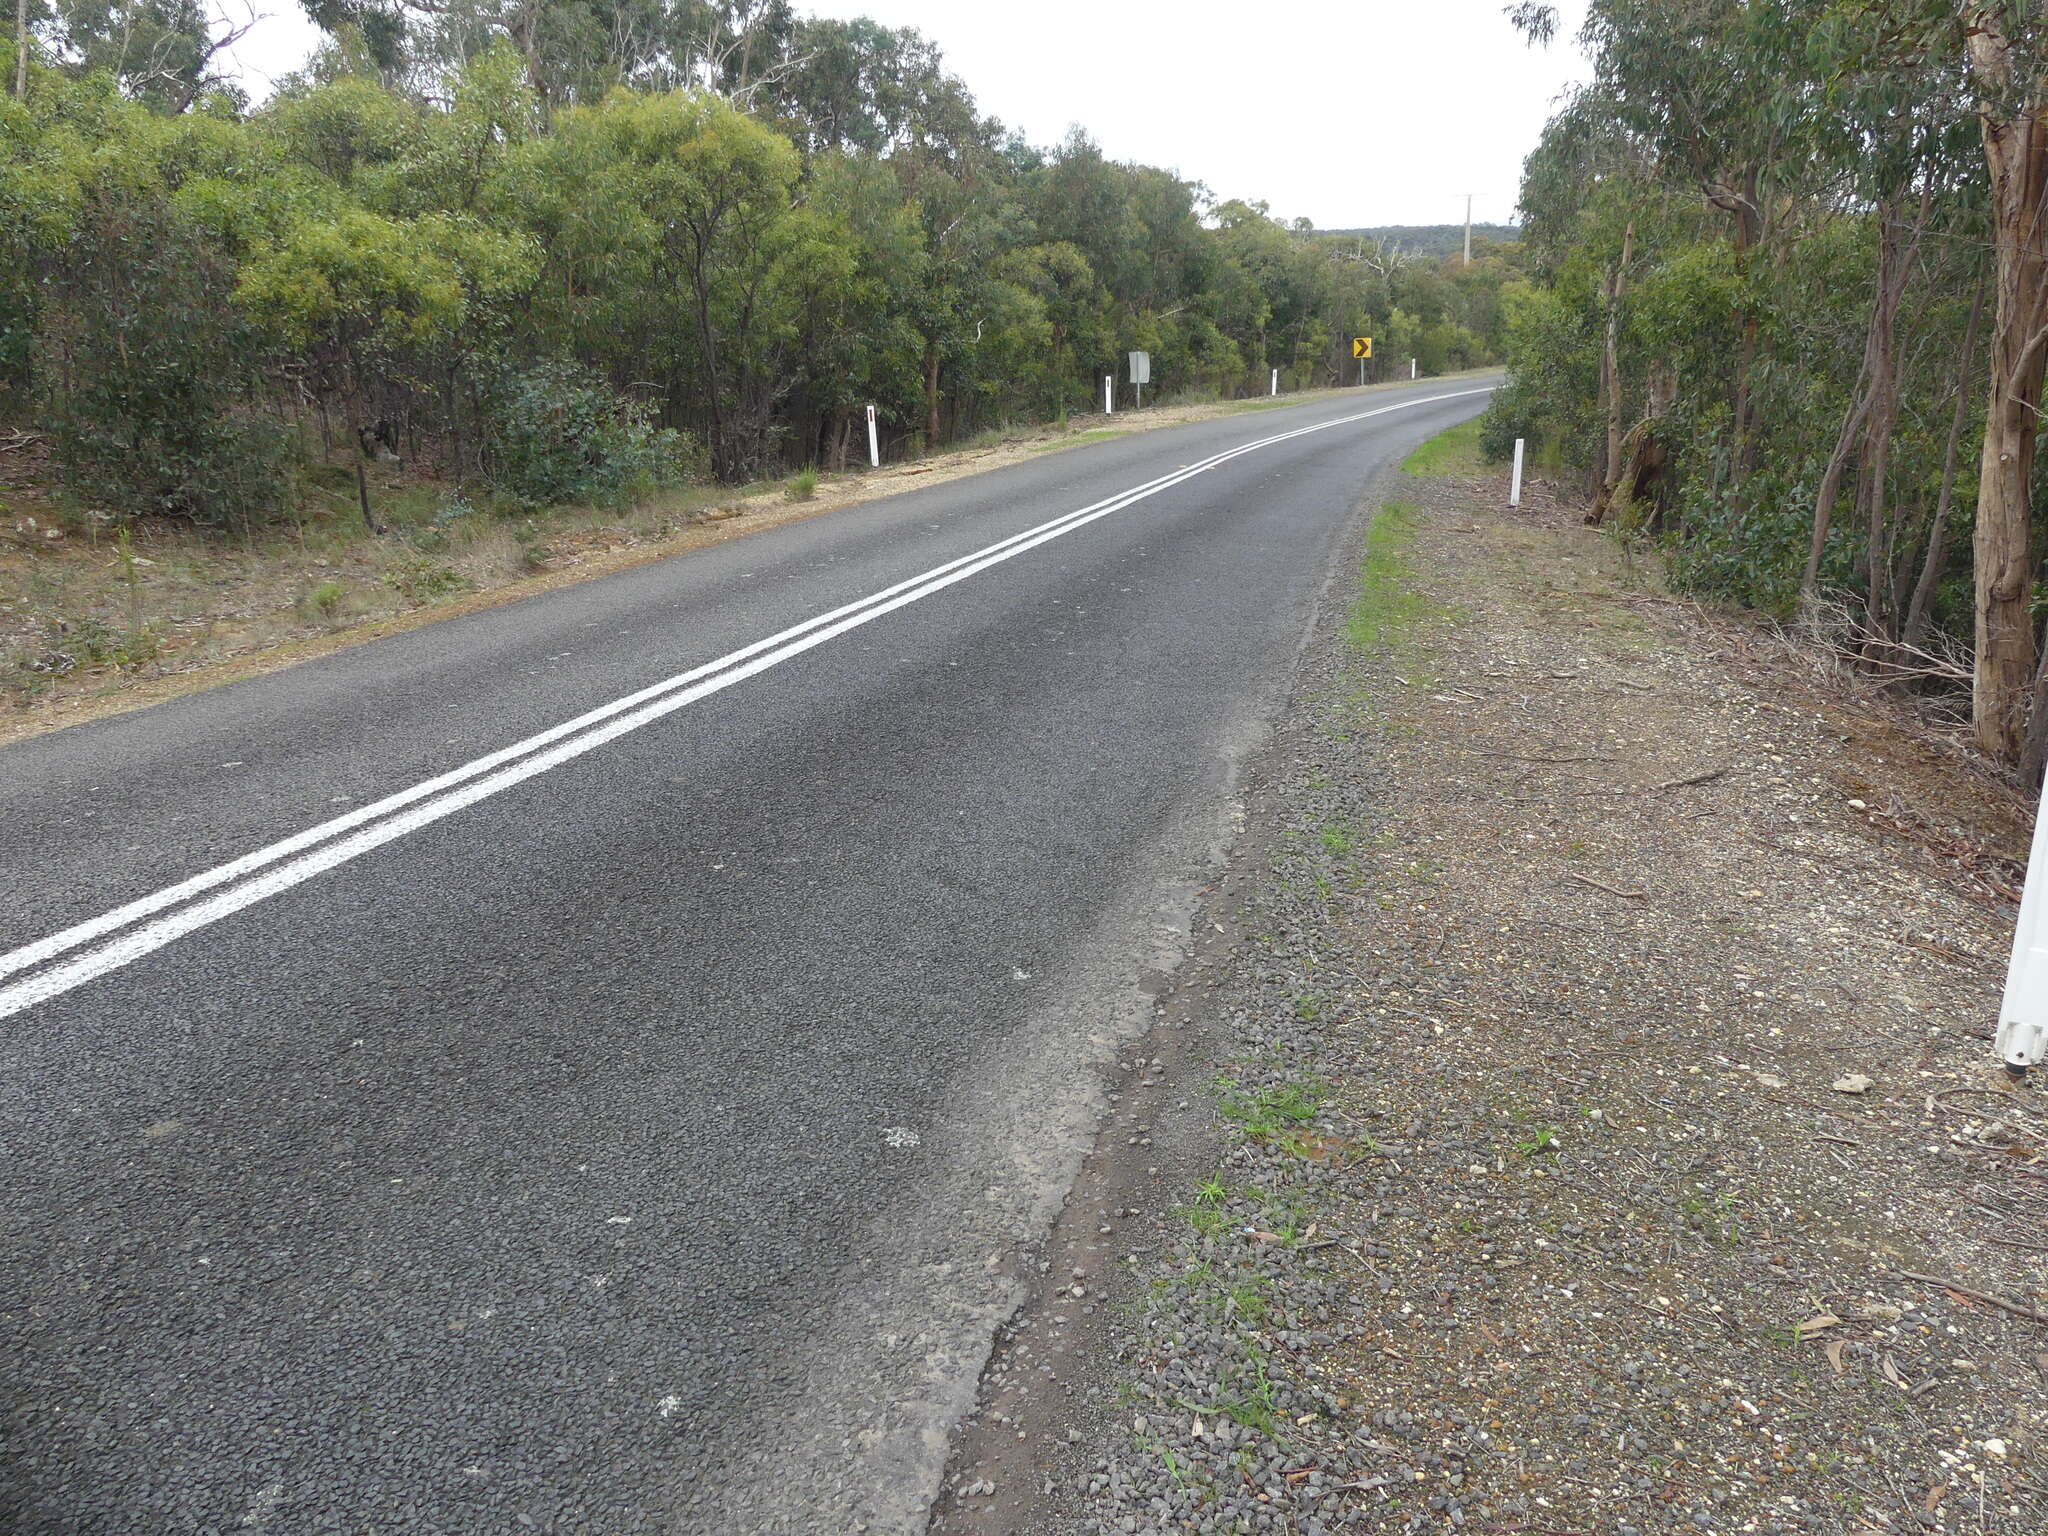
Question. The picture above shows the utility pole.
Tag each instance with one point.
(1468, 229)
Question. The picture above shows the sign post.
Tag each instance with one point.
(2023, 1015)
(1361, 348)
(874, 447)
(1141, 373)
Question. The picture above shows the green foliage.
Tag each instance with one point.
(558, 437)
(157, 416)
(550, 251)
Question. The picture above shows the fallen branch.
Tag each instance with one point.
(1691, 778)
(1641, 789)
(1959, 956)
(2016, 1308)
(1601, 885)
(1523, 757)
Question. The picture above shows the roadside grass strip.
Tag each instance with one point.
(1455, 452)
(1234, 1423)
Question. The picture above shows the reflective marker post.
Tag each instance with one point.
(1276, 381)
(874, 448)
(1515, 487)
(2023, 1016)
(1109, 394)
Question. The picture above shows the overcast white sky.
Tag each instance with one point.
(1351, 112)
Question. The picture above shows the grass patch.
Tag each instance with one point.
(1455, 452)
(1388, 607)
(801, 486)
(1099, 435)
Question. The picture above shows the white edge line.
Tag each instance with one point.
(683, 689)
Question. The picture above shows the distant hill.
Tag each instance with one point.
(1432, 239)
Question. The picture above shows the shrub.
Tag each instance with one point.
(324, 599)
(802, 486)
(559, 436)
(152, 373)
(422, 580)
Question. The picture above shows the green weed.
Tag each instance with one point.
(324, 599)
(1268, 1112)
(1542, 1139)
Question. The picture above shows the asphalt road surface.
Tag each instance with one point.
(438, 1096)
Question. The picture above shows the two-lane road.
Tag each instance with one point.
(592, 1065)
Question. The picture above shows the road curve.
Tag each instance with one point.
(594, 1065)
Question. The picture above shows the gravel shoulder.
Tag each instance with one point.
(1579, 1114)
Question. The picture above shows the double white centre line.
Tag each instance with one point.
(54, 965)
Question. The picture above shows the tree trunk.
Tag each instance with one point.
(1873, 413)
(1894, 262)
(931, 395)
(1921, 608)
(1748, 232)
(363, 498)
(2016, 154)
(1643, 454)
(21, 50)
(1831, 480)
(1610, 361)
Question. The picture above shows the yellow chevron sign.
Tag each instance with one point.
(1361, 346)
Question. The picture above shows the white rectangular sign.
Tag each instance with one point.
(1141, 367)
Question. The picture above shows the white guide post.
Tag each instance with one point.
(1109, 394)
(1515, 486)
(1411, 367)
(874, 447)
(1276, 381)
(2023, 1016)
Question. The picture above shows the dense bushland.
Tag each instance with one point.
(566, 251)
(1789, 310)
